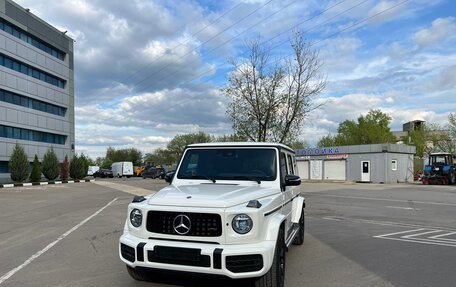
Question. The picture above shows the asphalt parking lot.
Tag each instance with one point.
(356, 235)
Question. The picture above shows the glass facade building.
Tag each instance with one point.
(36, 86)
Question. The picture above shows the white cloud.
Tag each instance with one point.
(385, 11)
(440, 30)
(389, 100)
(135, 87)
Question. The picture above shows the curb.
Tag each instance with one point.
(9, 185)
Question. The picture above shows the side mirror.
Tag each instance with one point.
(291, 180)
(169, 176)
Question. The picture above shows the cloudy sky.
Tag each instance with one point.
(146, 70)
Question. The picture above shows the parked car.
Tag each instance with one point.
(161, 172)
(151, 172)
(92, 169)
(122, 168)
(103, 173)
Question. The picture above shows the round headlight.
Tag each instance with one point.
(242, 223)
(136, 217)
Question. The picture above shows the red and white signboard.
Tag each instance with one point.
(337, 156)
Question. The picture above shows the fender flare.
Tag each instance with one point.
(274, 225)
(298, 204)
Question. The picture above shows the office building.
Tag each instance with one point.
(36, 86)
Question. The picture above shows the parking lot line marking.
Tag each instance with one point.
(418, 241)
(50, 245)
(418, 236)
(423, 233)
(400, 207)
(444, 235)
(384, 223)
(384, 199)
(401, 232)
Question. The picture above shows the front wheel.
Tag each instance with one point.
(452, 177)
(276, 275)
(136, 274)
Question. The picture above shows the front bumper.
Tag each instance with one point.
(235, 261)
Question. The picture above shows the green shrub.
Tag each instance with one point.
(77, 168)
(64, 171)
(50, 165)
(86, 162)
(35, 175)
(18, 164)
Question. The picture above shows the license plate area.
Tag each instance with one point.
(179, 256)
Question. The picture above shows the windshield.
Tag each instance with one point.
(229, 164)
(438, 159)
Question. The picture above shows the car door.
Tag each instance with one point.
(287, 191)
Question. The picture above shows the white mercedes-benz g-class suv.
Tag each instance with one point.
(231, 209)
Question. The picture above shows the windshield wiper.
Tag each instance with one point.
(247, 177)
(200, 176)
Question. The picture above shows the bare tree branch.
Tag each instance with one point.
(272, 104)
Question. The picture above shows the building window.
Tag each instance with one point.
(30, 135)
(31, 71)
(4, 167)
(16, 99)
(394, 164)
(32, 40)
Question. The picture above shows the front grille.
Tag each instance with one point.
(202, 224)
(127, 252)
(244, 263)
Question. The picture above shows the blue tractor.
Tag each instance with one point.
(440, 169)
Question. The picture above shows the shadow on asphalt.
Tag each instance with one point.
(194, 279)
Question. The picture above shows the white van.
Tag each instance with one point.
(122, 168)
(92, 169)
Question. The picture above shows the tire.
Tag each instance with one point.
(143, 177)
(299, 239)
(136, 274)
(452, 177)
(275, 277)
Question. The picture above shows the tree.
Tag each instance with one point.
(179, 142)
(77, 168)
(447, 141)
(18, 164)
(128, 154)
(452, 132)
(106, 163)
(35, 175)
(370, 129)
(229, 138)
(297, 144)
(64, 171)
(159, 156)
(50, 165)
(270, 104)
(99, 161)
(442, 138)
(86, 161)
(327, 141)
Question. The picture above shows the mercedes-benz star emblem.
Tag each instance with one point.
(182, 224)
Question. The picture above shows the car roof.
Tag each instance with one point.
(241, 144)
